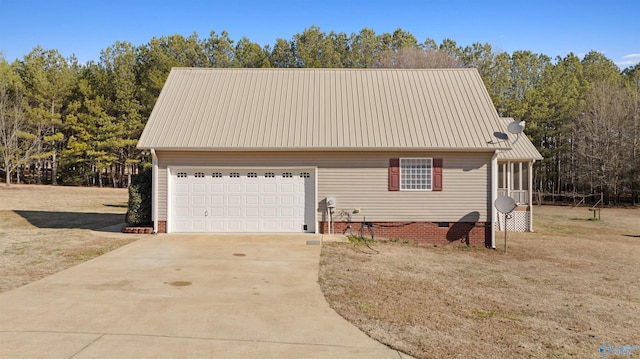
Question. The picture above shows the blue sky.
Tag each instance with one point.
(551, 27)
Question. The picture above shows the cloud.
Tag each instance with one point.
(628, 61)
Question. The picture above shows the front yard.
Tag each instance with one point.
(562, 291)
(45, 229)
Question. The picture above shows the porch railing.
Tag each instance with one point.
(520, 196)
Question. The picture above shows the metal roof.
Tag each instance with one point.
(521, 146)
(323, 109)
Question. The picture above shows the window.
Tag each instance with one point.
(234, 175)
(304, 174)
(415, 174)
(287, 175)
(199, 174)
(269, 175)
(182, 175)
(216, 175)
(252, 175)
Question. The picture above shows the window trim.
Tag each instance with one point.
(429, 180)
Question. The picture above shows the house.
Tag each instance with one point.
(413, 153)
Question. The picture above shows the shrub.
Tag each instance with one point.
(139, 207)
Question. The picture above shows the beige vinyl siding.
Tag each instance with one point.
(360, 180)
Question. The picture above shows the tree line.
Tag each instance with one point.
(63, 122)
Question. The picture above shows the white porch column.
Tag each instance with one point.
(154, 190)
(509, 172)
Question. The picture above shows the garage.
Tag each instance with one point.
(222, 200)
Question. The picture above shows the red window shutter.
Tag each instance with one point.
(394, 174)
(437, 174)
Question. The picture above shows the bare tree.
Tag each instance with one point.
(415, 58)
(605, 139)
(16, 145)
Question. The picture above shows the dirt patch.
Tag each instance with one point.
(45, 229)
(562, 291)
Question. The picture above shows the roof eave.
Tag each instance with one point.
(327, 149)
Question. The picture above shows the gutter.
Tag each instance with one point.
(330, 149)
(494, 196)
(154, 190)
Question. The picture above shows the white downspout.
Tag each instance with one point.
(494, 196)
(154, 190)
(531, 195)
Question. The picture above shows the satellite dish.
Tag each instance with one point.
(516, 127)
(505, 204)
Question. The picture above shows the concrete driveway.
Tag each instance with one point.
(178, 296)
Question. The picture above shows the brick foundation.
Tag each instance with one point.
(137, 230)
(162, 226)
(473, 234)
(469, 233)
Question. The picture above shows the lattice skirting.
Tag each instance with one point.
(519, 221)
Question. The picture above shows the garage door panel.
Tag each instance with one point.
(234, 200)
(217, 225)
(269, 212)
(199, 226)
(251, 226)
(287, 226)
(269, 188)
(234, 226)
(199, 187)
(287, 188)
(217, 187)
(216, 200)
(182, 225)
(181, 200)
(234, 211)
(270, 200)
(252, 200)
(182, 212)
(287, 212)
(234, 187)
(217, 212)
(199, 212)
(198, 200)
(242, 201)
(269, 225)
(182, 188)
(252, 212)
(286, 200)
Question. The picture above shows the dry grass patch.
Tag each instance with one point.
(45, 229)
(562, 291)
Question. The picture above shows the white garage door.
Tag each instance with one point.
(265, 200)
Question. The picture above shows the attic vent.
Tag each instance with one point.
(287, 175)
(182, 175)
